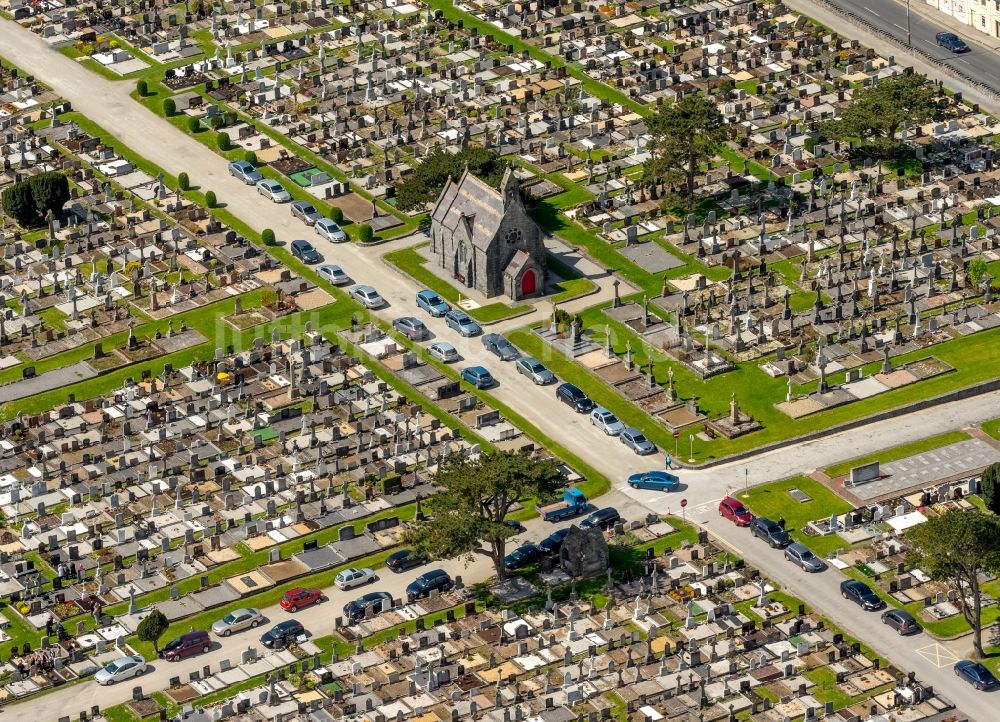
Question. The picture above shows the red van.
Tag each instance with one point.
(734, 510)
(187, 645)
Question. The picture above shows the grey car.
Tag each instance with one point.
(245, 172)
(637, 441)
(306, 211)
(443, 352)
(500, 347)
(534, 370)
(238, 620)
(770, 531)
(802, 557)
(412, 327)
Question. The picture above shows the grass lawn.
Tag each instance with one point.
(992, 428)
(899, 452)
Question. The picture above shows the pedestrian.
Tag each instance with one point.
(80, 573)
(48, 626)
(781, 522)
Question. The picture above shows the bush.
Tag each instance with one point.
(183, 182)
(250, 157)
(989, 487)
(169, 107)
(152, 627)
(29, 201)
(267, 236)
(210, 200)
(142, 88)
(336, 215)
(222, 138)
(366, 233)
(216, 122)
(194, 125)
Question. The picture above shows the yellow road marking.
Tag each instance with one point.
(938, 655)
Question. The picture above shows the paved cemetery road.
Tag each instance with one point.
(108, 104)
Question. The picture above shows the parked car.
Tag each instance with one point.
(606, 421)
(802, 556)
(367, 296)
(443, 352)
(434, 580)
(861, 594)
(432, 303)
(461, 321)
(354, 577)
(553, 542)
(734, 510)
(245, 172)
(282, 633)
(478, 377)
(514, 524)
(637, 441)
(306, 211)
(500, 347)
(534, 370)
(238, 620)
(294, 599)
(412, 327)
(304, 251)
(274, 190)
(187, 645)
(763, 528)
(330, 230)
(121, 669)
(603, 519)
(574, 398)
(900, 620)
(377, 602)
(524, 555)
(404, 559)
(333, 274)
(656, 480)
(975, 674)
(950, 41)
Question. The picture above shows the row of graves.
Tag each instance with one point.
(695, 637)
(155, 484)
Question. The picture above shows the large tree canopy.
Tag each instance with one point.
(429, 177)
(959, 547)
(474, 499)
(30, 200)
(683, 136)
(989, 487)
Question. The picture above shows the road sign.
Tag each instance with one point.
(677, 434)
(684, 503)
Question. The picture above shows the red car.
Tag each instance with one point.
(297, 598)
(734, 510)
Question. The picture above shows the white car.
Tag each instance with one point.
(274, 190)
(333, 274)
(354, 577)
(121, 669)
(443, 352)
(330, 230)
(367, 296)
(606, 421)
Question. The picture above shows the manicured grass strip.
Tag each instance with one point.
(992, 428)
(899, 452)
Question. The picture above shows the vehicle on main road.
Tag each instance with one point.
(637, 441)
(404, 559)
(304, 251)
(553, 542)
(330, 230)
(354, 577)
(121, 669)
(306, 211)
(434, 580)
(769, 531)
(333, 274)
(606, 421)
(802, 557)
(950, 41)
(478, 377)
(245, 172)
(656, 480)
(237, 620)
(412, 327)
(282, 633)
(734, 510)
(461, 321)
(294, 599)
(187, 645)
(377, 602)
(975, 674)
(524, 555)
(573, 503)
(534, 370)
(432, 303)
(443, 352)
(861, 594)
(603, 519)
(367, 296)
(500, 347)
(274, 190)
(900, 620)
(574, 397)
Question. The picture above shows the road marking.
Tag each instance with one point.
(871, 11)
(899, 26)
(930, 43)
(938, 655)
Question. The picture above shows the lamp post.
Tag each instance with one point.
(746, 478)
(908, 38)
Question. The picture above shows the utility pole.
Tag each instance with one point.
(909, 41)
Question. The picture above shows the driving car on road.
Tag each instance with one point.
(330, 230)
(656, 480)
(802, 556)
(534, 370)
(500, 347)
(443, 352)
(861, 594)
(294, 599)
(574, 397)
(478, 377)
(274, 190)
(306, 211)
(121, 669)
(637, 441)
(434, 580)
(245, 172)
(733, 509)
(371, 603)
(354, 577)
(237, 620)
(461, 321)
(432, 303)
(975, 674)
(282, 633)
(769, 531)
(412, 327)
(367, 296)
(333, 274)
(304, 251)
(900, 620)
(950, 41)
(606, 421)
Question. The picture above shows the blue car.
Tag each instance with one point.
(478, 377)
(975, 674)
(432, 303)
(462, 322)
(950, 41)
(656, 480)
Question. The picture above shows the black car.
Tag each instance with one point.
(950, 41)
(861, 594)
(404, 559)
(282, 633)
(602, 519)
(770, 532)
(553, 542)
(522, 556)
(304, 251)
(434, 580)
(901, 620)
(574, 398)
(377, 602)
(514, 524)
(976, 674)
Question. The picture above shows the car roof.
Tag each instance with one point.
(855, 584)
(427, 293)
(443, 345)
(567, 386)
(800, 548)
(478, 370)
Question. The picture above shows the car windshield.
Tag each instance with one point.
(229, 618)
(173, 644)
(638, 438)
(116, 665)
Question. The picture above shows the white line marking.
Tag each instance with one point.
(899, 26)
(871, 11)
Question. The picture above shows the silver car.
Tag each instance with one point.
(802, 557)
(367, 296)
(238, 620)
(443, 352)
(330, 230)
(534, 370)
(121, 669)
(274, 190)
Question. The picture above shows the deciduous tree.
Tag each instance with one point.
(683, 136)
(429, 177)
(152, 627)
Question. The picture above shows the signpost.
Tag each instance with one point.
(684, 503)
(677, 435)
